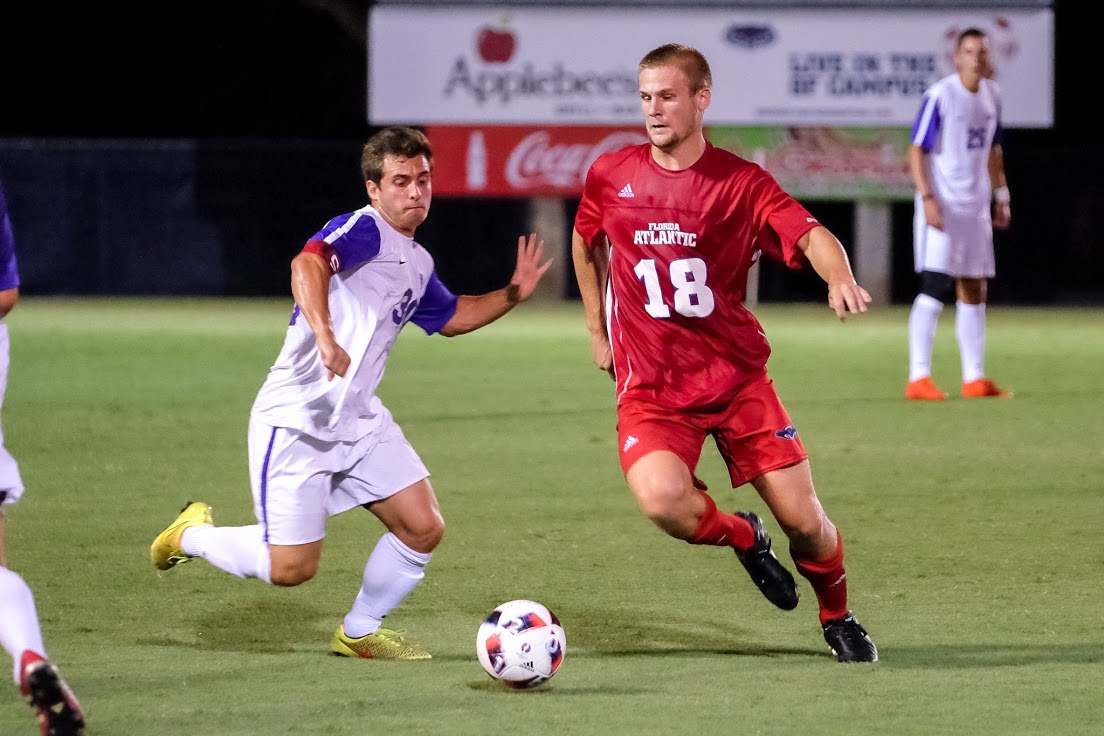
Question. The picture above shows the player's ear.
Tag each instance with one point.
(703, 98)
(372, 188)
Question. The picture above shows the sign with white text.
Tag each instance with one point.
(578, 66)
(496, 161)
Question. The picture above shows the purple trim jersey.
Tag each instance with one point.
(956, 128)
(381, 280)
(9, 268)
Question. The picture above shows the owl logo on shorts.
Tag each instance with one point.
(787, 433)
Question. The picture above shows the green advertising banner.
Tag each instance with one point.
(822, 162)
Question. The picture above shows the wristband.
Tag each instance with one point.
(1001, 194)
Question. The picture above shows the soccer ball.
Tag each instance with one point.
(521, 643)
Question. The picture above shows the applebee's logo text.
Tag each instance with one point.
(665, 233)
(536, 161)
(507, 84)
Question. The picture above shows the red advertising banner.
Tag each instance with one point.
(521, 161)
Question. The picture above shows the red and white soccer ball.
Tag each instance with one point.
(521, 643)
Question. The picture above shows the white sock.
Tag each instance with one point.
(922, 322)
(239, 550)
(970, 328)
(19, 630)
(393, 570)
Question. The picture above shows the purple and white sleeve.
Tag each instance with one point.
(436, 307)
(346, 241)
(926, 128)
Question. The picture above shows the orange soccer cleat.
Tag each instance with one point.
(922, 389)
(983, 387)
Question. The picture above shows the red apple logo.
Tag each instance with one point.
(496, 45)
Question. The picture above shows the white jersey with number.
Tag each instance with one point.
(956, 128)
(381, 280)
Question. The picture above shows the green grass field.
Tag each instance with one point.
(972, 528)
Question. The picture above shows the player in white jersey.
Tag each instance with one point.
(957, 166)
(320, 440)
(59, 713)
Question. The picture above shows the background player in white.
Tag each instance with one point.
(957, 164)
(320, 440)
(20, 634)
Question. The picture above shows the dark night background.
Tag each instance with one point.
(270, 95)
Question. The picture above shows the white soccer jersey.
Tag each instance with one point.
(956, 128)
(382, 280)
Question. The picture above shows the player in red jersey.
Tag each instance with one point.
(664, 238)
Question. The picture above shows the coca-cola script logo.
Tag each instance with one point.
(537, 162)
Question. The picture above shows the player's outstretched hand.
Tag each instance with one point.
(529, 270)
(334, 358)
(847, 298)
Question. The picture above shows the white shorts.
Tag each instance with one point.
(963, 248)
(11, 484)
(299, 480)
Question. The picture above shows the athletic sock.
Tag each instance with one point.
(722, 530)
(829, 581)
(19, 629)
(970, 328)
(393, 570)
(239, 550)
(923, 320)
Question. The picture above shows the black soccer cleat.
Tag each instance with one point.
(773, 580)
(59, 713)
(849, 641)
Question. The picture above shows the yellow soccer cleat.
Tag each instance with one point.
(165, 552)
(384, 644)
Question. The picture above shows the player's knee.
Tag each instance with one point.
(289, 573)
(971, 291)
(423, 535)
(938, 286)
(812, 531)
(660, 500)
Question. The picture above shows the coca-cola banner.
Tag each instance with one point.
(578, 66)
(496, 161)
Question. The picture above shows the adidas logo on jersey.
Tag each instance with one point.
(626, 192)
(629, 443)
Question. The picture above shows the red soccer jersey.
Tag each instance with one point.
(681, 244)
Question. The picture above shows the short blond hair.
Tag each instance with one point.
(691, 61)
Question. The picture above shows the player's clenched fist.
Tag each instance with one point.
(334, 358)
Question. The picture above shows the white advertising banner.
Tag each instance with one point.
(576, 66)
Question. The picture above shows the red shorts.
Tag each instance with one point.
(753, 433)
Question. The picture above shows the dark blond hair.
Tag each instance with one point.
(393, 141)
(689, 60)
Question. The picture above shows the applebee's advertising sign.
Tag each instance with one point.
(578, 66)
(499, 161)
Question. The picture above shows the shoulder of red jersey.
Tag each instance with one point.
(613, 159)
(728, 159)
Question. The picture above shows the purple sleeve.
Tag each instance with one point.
(9, 271)
(926, 127)
(436, 306)
(347, 241)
